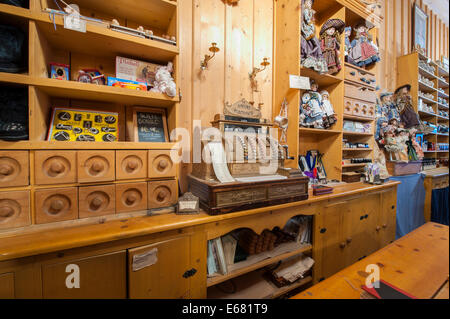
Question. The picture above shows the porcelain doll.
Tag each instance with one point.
(328, 110)
(391, 145)
(348, 45)
(382, 123)
(363, 51)
(330, 44)
(311, 53)
(402, 138)
(311, 107)
(403, 101)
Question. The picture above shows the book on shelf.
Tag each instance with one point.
(229, 244)
(211, 260)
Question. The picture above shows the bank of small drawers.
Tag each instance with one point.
(359, 76)
(359, 108)
(92, 183)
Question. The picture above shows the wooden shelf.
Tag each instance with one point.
(426, 114)
(443, 106)
(442, 72)
(255, 286)
(247, 266)
(101, 41)
(357, 134)
(15, 11)
(358, 118)
(442, 84)
(426, 88)
(443, 95)
(354, 165)
(357, 149)
(427, 100)
(15, 78)
(318, 131)
(323, 80)
(425, 73)
(36, 145)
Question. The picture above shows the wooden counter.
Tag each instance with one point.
(39, 242)
(434, 179)
(417, 263)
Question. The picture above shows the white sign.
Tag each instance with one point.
(299, 82)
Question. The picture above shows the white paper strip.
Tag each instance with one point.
(219, 162)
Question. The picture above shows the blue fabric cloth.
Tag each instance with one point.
(439, 206)
(410, 203)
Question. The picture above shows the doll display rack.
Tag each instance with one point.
(429, 78)
(328, 142)
(30, 167)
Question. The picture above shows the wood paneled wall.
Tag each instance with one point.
(395, 37)
(245, 35)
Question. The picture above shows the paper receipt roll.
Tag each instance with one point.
(219, 162)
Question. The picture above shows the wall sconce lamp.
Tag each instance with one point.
(214, 49)
(265, 63)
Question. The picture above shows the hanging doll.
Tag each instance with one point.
(348, 45)
(391, 144)
(363, 52)
(311, 114)
(402, 138)
(330, 43)
(329, 116)
(311, 53)
(382, 123)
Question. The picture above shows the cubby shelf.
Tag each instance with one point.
(358, 118)
(33, 145)
(356, 134)
(317, 131)
(357, 149)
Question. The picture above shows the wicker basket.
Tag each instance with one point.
(401, 168)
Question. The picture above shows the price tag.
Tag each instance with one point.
(299, 82)
(73, 22)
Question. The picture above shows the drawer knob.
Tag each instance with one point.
(132, 165)
(342, 245)
(385, 226)
(6, 212)
(161, 196)
(378, 228)
(97, 166)
(131, 199)
(163, 164)
(349, 240)
(57, 205)
(353, 73)
(97, 202)
(57, 167)
(6, 170)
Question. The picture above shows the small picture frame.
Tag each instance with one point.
(420, 29)
(149, 125)
(188, 204)
(59, 71)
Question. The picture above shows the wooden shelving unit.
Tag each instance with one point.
(408, 73)
(97, 48)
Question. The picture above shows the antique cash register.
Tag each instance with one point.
(243, 166)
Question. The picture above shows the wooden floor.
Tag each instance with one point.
(417, 263)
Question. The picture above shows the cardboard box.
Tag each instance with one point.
(134, 70)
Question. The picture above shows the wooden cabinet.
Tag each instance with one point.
(166, 270)
(97, 201)
(56, 205)
(131, 197)
(102, 276)
(14, 168)
(162, 194)
(55, 167)
(387, 219)
(96, 166)
(131, 165)
(14, 209)
(160, 165)
(7, 286)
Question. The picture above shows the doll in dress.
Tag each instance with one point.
(330, 43)
(363, 51)
(311, 107)
(348, 45)
(329, 116)
(391, 144)
(311, 53)
(402, 138)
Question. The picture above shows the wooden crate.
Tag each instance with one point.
(401, 169)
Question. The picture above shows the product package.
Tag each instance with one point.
(134, 70)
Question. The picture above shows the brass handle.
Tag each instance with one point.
(131, 199)
(97, 202)
(6, 170)
(57, 167)
(342, 245)
(6, 212)
(97, 166)
(57, 205)
(163, 164)
(132, 164)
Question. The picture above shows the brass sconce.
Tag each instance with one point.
(255, 71)
(214, 49)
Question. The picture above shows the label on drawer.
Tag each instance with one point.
(145, 260)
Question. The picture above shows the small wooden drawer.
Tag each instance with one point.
(160, 165)
(56, 205)
(131, 165)
(14, 209)
(14, 168)
(97, 201)
(440, 182)
(55, 167)
(360, 77)
(131, 197)
(96, 166)
(357, 108)
(348, 106)
(162, 194)
(360, 93)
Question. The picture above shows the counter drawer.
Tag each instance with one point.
(131, 165)
(359, 76)
(131, 197)
(56, 205)
(14, 209)
(7, 286)
(97, 201)
(360, 93)
(162, 194)
(14, 168)
(160, 165)
(96, 166)
(55, 167)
